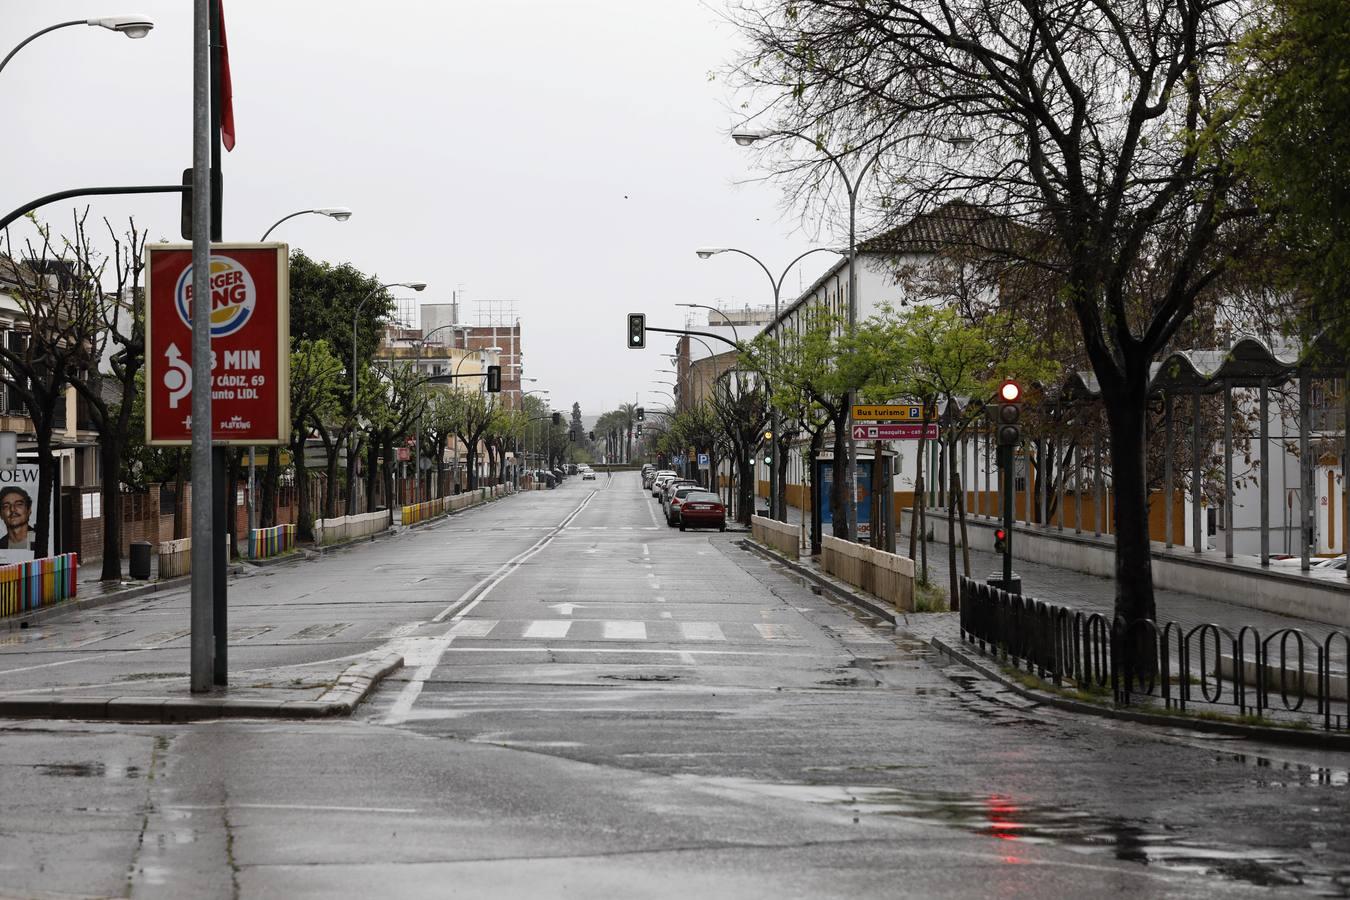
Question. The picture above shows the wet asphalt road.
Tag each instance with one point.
(595, 705)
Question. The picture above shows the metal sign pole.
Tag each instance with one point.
(202, 664)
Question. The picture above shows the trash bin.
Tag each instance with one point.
(140, 560)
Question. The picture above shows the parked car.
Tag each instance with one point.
(671, 486)
(677, 496)
(658, 481)
(702, 509)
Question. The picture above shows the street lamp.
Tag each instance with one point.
(356, 318)
(530, 452)
(746, 137)
(339, 213)
(777, 504)
(134, 27)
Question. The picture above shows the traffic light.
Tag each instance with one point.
(638, 433)
(641, 414)
(637, 331)
(494, 379)
(557, 418)
(1000, 541)
(1009, 411)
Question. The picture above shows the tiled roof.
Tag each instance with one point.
(953, 225)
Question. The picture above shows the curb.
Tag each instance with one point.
(1310, 737)
(872, 607)
(352, 687)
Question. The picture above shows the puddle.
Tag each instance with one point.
(1004, 818)
(1289, 774)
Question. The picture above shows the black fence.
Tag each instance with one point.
(1286, 672)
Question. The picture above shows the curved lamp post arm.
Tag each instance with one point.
(303, 212)
(92, 192)
(37, 34)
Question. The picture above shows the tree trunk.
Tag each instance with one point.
(778, 507)
(372, 470)
(839, 489)
(330, 489)
(110, 457)
(304, 516)
(353, 454)
(271, 477)
(179, 498)
(917, 503)
(1127, 420)
(954, 597)
(387, 471)
(745, 488)
(965, 536)
(43, 541)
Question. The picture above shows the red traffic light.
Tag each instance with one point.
(1010, 391)
(1000, 534)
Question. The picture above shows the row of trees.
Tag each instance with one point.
(82, 327)
(1172, 169)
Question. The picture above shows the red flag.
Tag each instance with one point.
(226, 94)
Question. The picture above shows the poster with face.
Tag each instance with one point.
(18, 515)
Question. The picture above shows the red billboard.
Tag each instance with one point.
(250, 344)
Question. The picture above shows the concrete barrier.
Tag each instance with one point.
(882, 574)
(779, 536)
(351, 528)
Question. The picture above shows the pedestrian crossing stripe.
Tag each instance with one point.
(621, 630)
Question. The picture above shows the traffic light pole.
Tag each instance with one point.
(1006, 456)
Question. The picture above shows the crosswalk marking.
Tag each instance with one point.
(702, 631)
(773, 632)
(547, 628)
(473, 627)
(625, 631)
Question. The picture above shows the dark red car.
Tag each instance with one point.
(703, 509)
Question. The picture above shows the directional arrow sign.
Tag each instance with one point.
(894, 432)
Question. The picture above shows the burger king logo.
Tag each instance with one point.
(232, 296)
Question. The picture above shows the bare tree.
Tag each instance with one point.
(1102, 125)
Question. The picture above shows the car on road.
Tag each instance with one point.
(670, 487)
(587, 475)
(659, 480)
(677, 497)
(702, 509)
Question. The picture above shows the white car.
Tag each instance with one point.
(587, 475)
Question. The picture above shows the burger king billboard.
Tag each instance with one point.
(250, 344)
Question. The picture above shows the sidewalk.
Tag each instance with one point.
(1093, 594)
(304, 642)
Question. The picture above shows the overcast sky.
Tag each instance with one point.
(566, 157)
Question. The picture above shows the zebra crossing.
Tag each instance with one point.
(664, 630)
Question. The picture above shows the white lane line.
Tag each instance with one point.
(547, 629)
(688, 658)
(473, 628)
(702, 631)
(652, 511)
(665, 614)
(636, 650)
(625, 631)
(773, 632)
(430, 654)
(293, 806)
(646, 551)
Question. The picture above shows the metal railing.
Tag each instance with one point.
(1286, 672)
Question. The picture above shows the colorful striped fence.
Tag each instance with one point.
(265, 543)
(420, 512)
(43, 582)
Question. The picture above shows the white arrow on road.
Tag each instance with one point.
(566, 608)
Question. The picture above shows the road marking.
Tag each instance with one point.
(548, 629)
(646, 551)
(773, 632)
(318, 632)
(403, 705)
(633, 650)
(702, 631)
(625, 631)
(665, 614)
(295, 806)
(473, 627)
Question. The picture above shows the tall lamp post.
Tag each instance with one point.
(340, 214)
(777, 504)
(852, 184)
(530, 453)
(417, 426)
(356, 318)
(337, 213)
(134, 27)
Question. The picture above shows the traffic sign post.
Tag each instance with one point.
(889, 432)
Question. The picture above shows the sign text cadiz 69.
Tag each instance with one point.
(250, 344)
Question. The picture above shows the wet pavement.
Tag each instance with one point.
(596, 705)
